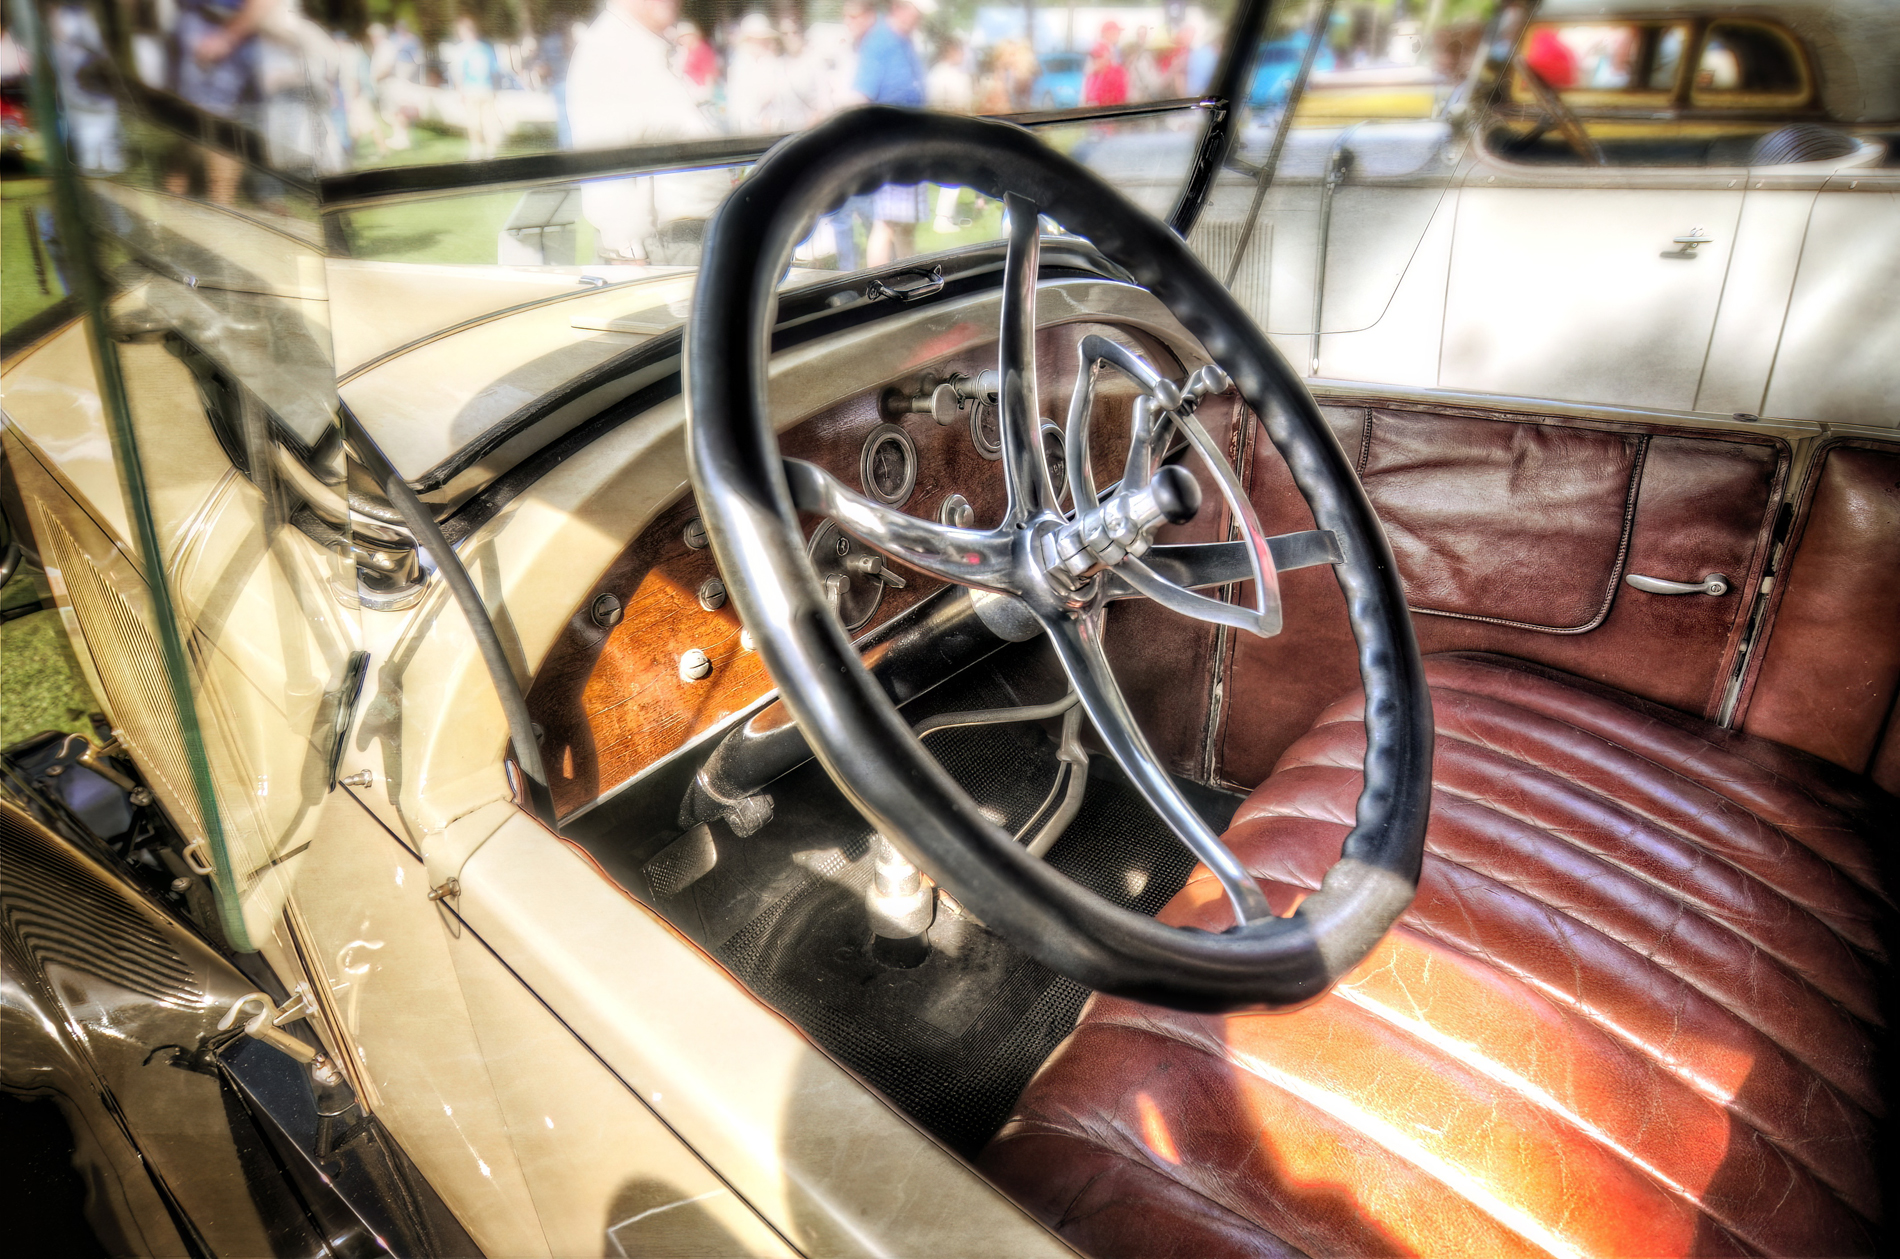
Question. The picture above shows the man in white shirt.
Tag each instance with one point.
(621, 90)
(950, 88)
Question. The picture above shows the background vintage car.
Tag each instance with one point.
(307, 959)
(1505, 260)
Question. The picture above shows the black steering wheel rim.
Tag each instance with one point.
(747, 505)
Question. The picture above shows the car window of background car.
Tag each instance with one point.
(1748, 63)
(1624, 81)
(1613, 65)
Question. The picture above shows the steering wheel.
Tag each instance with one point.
(1557, 113)
(1061, 569)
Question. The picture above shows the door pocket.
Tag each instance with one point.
(1516, 523)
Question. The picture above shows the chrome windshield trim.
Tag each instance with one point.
(393, 185)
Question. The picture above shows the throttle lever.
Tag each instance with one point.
(871, 564)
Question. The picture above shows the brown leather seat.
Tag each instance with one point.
(1632, 1012)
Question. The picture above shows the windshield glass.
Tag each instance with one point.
(691, 96)
(1344, 159)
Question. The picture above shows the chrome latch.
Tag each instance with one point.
(1715, 584)
(1685, 245)
(905, 286)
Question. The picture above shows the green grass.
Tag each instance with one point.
(985, 224)
(21, 292)
(453, 229)
(41, 687)
(459, 229)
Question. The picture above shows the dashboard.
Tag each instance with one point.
(654, 655)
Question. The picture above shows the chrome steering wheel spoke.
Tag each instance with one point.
(979, 558)
(1018, 412)
(1078, 644)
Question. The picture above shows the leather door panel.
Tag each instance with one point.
(1702, 504)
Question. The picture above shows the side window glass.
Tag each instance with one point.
(1609, 65)
(1582, 56)
(1665, 62)
(1745, 64)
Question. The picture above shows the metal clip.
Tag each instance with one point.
(1685, 245)
(197, 856)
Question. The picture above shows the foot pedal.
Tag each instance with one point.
(682, 863)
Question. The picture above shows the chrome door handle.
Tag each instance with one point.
(1713, 584)
(1685, 245)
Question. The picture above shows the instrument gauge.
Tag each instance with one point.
(887, 467)
(985, 433)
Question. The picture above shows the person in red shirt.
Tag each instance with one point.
(698, 62)
(1107, 80)
(1551, 58)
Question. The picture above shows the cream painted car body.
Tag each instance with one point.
(572, 1075)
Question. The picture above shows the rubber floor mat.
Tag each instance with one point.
(954, 1040)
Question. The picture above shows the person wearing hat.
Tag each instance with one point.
(1107, 81)
(857, 17)
(755, 80)
(951, 88)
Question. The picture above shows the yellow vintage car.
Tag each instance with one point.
(705, 748)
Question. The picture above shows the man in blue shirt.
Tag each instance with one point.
(889, 70)
(891, 73)
(472, 70)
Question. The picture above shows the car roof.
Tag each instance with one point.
(1854, 44)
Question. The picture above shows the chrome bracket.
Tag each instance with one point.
(266, 1024)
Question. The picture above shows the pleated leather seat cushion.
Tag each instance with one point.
(1632, 1012)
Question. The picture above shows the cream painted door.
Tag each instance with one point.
(1567, 282)
(1837, 358)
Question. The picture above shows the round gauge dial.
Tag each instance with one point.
(887, 468)
(985, 435)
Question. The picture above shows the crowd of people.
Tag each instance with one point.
(636, 74)
(640, 75)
